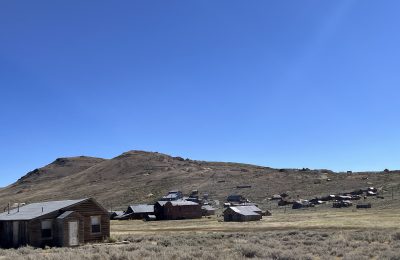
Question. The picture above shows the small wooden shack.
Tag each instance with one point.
(55, 223)
(137, 212)
(208, 210)
(180, 209)
(242, 213)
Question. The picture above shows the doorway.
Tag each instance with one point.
(73, 233)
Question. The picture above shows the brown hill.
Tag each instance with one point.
(138, 176)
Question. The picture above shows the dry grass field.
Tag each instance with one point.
(303, 234)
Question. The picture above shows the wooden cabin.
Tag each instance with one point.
(242, 214)
(208, 210)
(137, 212)
(180, 209)
(54, 223)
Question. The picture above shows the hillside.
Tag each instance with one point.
(138, 176)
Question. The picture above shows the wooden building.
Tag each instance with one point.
(208, 210)
(115, 214)
(242, 214)
(137, 212)
(180, 209)
(55, 223)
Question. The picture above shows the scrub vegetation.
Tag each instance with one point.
(294, 244)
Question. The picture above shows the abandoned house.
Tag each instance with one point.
(208, 210)
(137, 212)
(55, 223)
(242, 214)
(180, 209)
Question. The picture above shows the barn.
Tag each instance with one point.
(179, 209)
(242, 214)
(54, 223)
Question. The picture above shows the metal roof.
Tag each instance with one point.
(117, 213)
(142, 208)
(65, 214)
(36, 210)
(162, 202)
(171, 196)
(245, 210)
(207, 207)
(182, 203)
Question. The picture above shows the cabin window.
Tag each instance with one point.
(47, 229)
(95, 222)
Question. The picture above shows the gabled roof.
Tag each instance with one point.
(250, 207)
(244, 210)
(36, 210)
(116, 213)
(162, 202)
(183, 203)
(65, 214)
(178, 203)
(142, 208)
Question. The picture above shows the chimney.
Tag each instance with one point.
(18, 207)
(8, 207)
(42, 209)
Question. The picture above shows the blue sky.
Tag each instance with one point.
(275, 83)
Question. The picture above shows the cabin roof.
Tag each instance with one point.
(65, 214)
(244, 210)
(142, 208)
(171, 196)
(35, 210)
(207, 207)
(182, 203)
(162, 202)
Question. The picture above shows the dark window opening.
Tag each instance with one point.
(46, 233)
(95, 228)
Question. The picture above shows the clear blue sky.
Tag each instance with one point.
(276, 83)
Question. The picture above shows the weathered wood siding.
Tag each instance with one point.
(63, 226)
(182, 211)
(88, 209)
(231, 215)
(7, 237)
(30, 232)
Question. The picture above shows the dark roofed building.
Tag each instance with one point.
(55, 223)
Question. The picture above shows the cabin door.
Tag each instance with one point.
(73, 233)
(16, 233)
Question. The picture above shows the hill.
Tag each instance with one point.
(138, 176)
